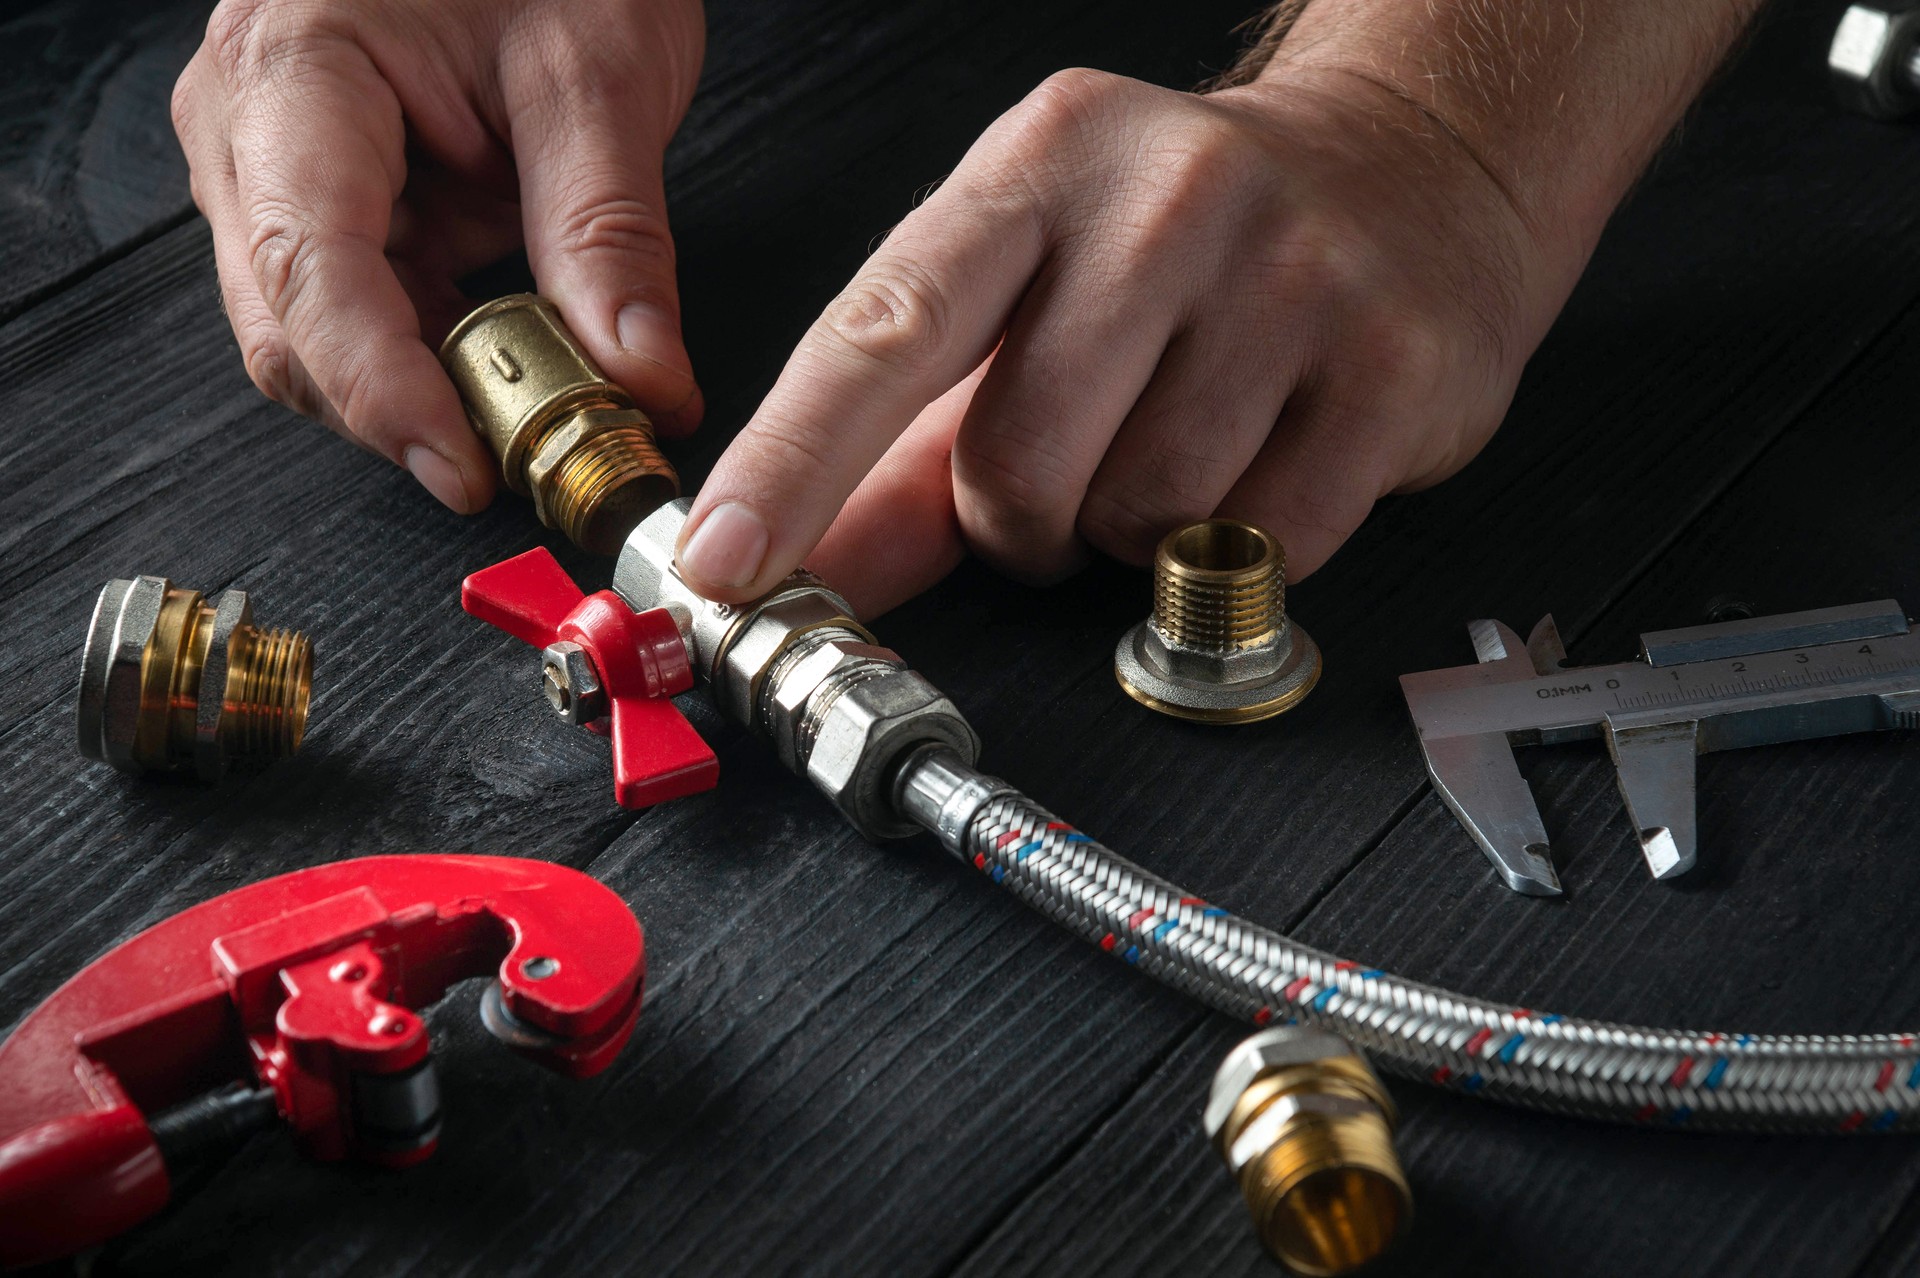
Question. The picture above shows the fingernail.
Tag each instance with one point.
(438, 476)
(649, 332)
(727, 548)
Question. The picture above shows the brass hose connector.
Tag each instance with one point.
(1219, 647)
(172, 683)
(1306, 1128)
(563, 433)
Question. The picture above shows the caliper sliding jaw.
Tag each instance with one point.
(1715, 687)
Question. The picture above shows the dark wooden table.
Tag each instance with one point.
(866, 1060)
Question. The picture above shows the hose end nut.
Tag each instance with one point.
(173, 683)
(1306, 1128)
(564, 434)
(1219, 646)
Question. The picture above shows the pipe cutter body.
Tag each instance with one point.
(1716, 687)
(303, 987)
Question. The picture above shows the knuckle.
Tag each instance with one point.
(631, 228)
(894, 314)
(1069, 102)
(265, 356)
(248, 37)
(281, 251)
(1121, 527)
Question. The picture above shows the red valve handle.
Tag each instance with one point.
(640, 659)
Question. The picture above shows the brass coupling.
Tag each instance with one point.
(564, 434)
(171, 683)
(1306, 1129)
(1219, 646)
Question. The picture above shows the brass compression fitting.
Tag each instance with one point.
(1219, 647)
(563, 433)
(171, 682)
(1306, 1129)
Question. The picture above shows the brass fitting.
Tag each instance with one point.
(1307, 1130)
(172, 683)
(563, 433)
(1219, 647)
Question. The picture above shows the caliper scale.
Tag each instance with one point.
(1715, 687)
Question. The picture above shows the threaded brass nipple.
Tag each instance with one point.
(1307, 1131)
(1219, 585)
(1218, 647)
(563, 433)
(173, 683)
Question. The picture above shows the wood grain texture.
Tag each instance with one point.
(860, 1060)
(88, 164)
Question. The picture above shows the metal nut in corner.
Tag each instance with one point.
(1306, 1129)
(1874, 60)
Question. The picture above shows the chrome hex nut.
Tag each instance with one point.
(1872, 61)
(769, 631)
(124, 620)
(828, 662)
(1278, 1048)
(571, 684)
(865, 732)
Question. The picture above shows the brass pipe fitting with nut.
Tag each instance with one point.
(564, 434)
(172, 683)
(1219, 647)
(1306, 1128)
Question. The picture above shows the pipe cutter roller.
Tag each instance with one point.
(1755, 681)
(295, 998)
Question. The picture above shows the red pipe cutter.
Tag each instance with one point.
(294, 998)
(607, 667)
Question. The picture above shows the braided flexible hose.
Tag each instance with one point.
(1621, 1073)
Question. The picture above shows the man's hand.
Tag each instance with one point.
(355, 157)
(1130, 307)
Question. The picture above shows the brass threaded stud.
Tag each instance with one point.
(1218, 647)
(172, 683)
(1306, 1128)
(564, 434)
(1219, 584)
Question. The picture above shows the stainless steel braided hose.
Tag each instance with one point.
(1621, 1073)
(894, 755)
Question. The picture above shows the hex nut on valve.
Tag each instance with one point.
(1306, 1129)
(571, 684)
(1874, 60)
(1219, 646)
(170, 683)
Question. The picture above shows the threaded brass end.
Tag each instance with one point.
(1307, 1130)
(269, 681)
(172, 682)
(562, 432)
(1219, 585)
(606, 485)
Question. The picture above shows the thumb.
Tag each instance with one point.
(595, 215)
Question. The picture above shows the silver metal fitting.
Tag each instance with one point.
(571, 683)
(1874, 61)
(798, 669)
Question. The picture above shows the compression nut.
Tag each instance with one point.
(171, 683)
(1219, 647)
(564, 434)
(1306, 1129)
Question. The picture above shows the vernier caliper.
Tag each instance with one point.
(1716, 687)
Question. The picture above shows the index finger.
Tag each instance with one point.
(923, 312)
(318, 162)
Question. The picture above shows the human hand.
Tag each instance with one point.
(356, 157)
(1128, 308)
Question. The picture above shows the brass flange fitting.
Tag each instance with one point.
(1219, 647)
(563, 433)
(1306, 1128)
(172, 683)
